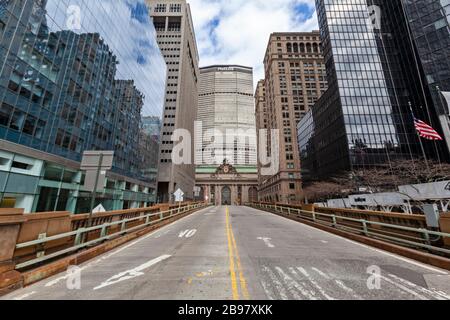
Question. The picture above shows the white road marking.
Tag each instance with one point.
(290, 282)
(24, 296)
(339, 283)
(324, 242)
(314, 283)
(434, 294)
(132, 273)
(374, 249)
(108, 255)
(267, 291)
(267, 242)
(398, 285)
(187, 233)
(278, 285)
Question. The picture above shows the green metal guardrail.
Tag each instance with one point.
(418, 238)
(78, 240)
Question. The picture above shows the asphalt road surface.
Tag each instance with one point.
(231, 253)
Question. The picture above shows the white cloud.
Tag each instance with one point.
(237, 31)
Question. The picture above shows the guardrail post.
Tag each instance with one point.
(365, 229)
(334, 221)
(314, 216)
(124, 225)
(103, 232)
(426, 236)
(79, 236)
(289, 211)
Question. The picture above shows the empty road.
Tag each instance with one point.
(241, 253)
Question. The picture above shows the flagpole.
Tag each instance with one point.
(420, 138)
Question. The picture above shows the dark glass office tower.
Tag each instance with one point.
(430, 33)
(74, 76)
(365, 118)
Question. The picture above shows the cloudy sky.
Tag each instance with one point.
(237, 31)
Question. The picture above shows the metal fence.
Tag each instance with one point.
(80, 238)
(419, 238)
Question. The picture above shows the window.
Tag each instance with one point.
(5, 114)
(21, 165)
(175, 8)
(292, 186)
(29, 125)
(160, 7)
(17, 120)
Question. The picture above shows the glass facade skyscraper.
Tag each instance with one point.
(76, 76)
(375, 79)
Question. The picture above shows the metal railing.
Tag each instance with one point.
(406, 236)
(79, 234)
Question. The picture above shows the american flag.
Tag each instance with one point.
(426, 131)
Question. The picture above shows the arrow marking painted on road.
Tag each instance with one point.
(132, 273)
(267, 242)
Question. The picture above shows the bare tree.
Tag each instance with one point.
(383, 178)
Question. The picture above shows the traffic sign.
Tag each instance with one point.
(179, 195)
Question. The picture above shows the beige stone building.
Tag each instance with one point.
(176, 39)
(227, 184)
(295, 78)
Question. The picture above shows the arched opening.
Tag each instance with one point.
(302, 47)
(226, 196)
(296, 47)
(289, 47)
(316, 47)
(308, 48)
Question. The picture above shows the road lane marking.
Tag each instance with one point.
(398, 285)
(234, 287)
(413, 262)
(267, 241)
(434, 294)
(266, 290)
(314, 283)
(291, 283)
(108, 255)
(24, 296)
(235, 262)
(243, 282)
(339, 283)
(132, 273)
(277, 283)
(187, 233)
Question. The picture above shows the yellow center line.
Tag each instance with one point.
(234, 286)
(234, 254)
(241, 273)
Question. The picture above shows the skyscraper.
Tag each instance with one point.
(176, 39)
(376, 79)
(226, 154)
(295, 79)
(430, 34)
(67, 86)
(226, 106)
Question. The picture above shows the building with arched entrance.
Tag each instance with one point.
(227, 184)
